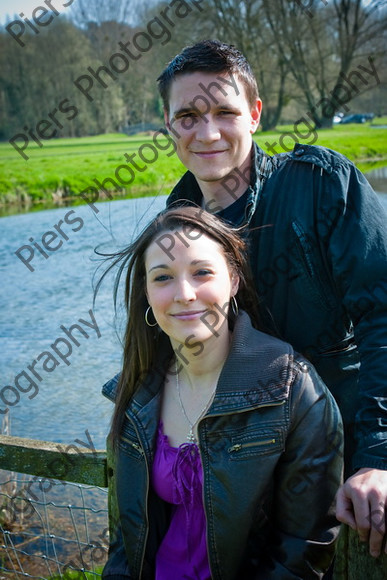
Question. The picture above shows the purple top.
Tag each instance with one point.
(177, 478)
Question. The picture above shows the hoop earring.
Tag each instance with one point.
(234, 306)
(146, 317)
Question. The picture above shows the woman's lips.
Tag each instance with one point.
(188, 314)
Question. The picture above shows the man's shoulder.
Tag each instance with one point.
(323, 157)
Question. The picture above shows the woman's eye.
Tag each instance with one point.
(162, 278)
(203, 273)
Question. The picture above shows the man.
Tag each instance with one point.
(318, 250)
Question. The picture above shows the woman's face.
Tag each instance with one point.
(189, 286)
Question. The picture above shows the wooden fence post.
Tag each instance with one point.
(353, 561)
(112, 500)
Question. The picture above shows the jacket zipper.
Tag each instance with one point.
(142, 452)
(136, 446)
(239, 446)
(204, 507)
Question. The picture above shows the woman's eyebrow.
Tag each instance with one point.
(192, 263)
(163, 266)
(201, 261)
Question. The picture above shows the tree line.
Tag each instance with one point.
(307, 56)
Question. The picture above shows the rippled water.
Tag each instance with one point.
(59, 292)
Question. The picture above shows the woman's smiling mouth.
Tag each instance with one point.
(188, 314)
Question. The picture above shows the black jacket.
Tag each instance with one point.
(271, 451)
(318, 251)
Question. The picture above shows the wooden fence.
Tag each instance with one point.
(34, 525)
(46, 459)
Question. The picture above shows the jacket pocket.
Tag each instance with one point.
(129, 442)
(262, 442)
(130, 447)
(313, 272)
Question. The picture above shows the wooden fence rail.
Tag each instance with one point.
(51, 460)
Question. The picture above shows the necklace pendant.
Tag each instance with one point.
(191, 437)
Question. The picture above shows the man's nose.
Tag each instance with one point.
(207, 129)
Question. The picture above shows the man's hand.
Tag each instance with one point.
(361, 503)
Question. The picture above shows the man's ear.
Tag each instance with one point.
(255, 116)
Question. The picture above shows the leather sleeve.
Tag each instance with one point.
(308, 475)
(357, 251)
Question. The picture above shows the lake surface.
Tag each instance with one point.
(378, 179)
(59, 292)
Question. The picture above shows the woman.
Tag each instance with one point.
(227, 444)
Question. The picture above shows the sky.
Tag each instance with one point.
(12, 7)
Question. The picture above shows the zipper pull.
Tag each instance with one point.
(236, 447)
(137, 447)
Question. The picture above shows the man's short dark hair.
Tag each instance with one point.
(210, 56)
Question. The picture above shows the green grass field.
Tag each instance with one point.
(63, 168)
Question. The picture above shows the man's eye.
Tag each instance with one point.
(189, 115)
(187, 120)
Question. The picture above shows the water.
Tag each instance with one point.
(59, 292)
(378, 179)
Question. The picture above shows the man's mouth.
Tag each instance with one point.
(208, 154)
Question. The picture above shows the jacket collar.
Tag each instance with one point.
(258, 371)
(187, 190)
(315, 155)
(109, 389)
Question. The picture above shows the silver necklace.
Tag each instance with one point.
(191, 436)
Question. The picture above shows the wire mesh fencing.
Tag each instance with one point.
(51, 528)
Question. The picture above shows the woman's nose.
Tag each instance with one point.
(185, 292)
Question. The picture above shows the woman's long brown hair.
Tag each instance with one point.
(141, 342)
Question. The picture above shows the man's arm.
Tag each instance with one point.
(361, 269)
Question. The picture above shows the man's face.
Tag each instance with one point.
(212, 123)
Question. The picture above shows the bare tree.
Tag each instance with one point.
(321, 48)
(83, 12)
(243, 23)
